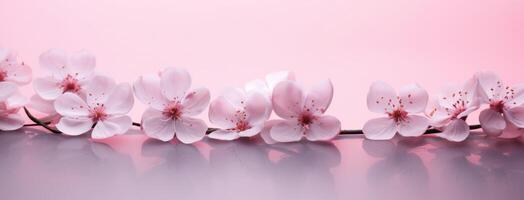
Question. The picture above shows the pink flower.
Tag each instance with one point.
(302, 113)
(453, 106)
(400, 110)
(68, 73)
(11, 70)
(10, 103)
(505, 114)
(239, 114)
(106, 105)
(172, 106)
(266, 86)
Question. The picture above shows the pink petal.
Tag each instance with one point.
(319, 97)
(288, 99)
(174, 83)
(222, 113)
(196, 101)
(380, 129)
(265, 133)
(71, 105)
(235, 96)
(47, 88)
(7, 89)
(147, 90)
(518, 97)
(189, 130)
(82, 64)
(491, 85)
(16, 101)
(456, 131)
(511, 131)
(413, 126)
(55, 61)
(224, 135)
(11, 122)
(414, 98)
(275, 78)
(287, 131)
(381, 97)
(4, 54)
(157, 126)
(515, 116)
(114, 125)
(324, 128)
(18, 73)
(45, 106)
(439, 119)
(120, 101)
(251, 132)
(257, 107)
(258, 85)
(468, 111)
(492, 122)
(74, 126)
(99, 90)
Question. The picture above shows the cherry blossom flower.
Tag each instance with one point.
(69, 73)
(172, 106)
(400, 110)
(239, 114)
(13, 71)
(453, 106)
(505, 113)
(105, 107)
(10, 103)
(302, 113)
(271, 80)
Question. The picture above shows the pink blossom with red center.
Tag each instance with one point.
(105, 106)
(172, 106)
(400, 111)
(505, 115)
(453, 106)
(302, 112)
(13, 71)
(239, 114)
(10, 103)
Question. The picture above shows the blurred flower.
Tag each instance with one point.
(172, 106)
(10, 103)
(266, 86)
(106, 105)
(302, 113)
(452, 108)
(13, 71)
(505, 114)
(239, 114)
(382, 98)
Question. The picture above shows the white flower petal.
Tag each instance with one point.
(222, 113)
(56, 61)
(120, 101)
(324, 128)
(257, 107)
(16, 101)
(82, 64)
(18, 73)
(174, 83)
(414, 98)
(251, 132)
(147, 90)
(492, 122)
(288, 99)
(189, 130)
(99, 90)
(515, 116)
(7, 89)
(71, 105)
(381, 97)
(456, 131)
(491, 86)
(380, 129)
(224, 135)
(74, 126)
(511, 131)
(258, 85)
(319, 97)
(196, 101)
(157, 126)
(11, 122)
(275, 78)
(114, 125)
(413, 126)
(48, 88)
(265, 133)
(287, 131)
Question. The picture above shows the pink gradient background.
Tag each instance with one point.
(226, 43)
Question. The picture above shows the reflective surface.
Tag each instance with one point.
(39, 165)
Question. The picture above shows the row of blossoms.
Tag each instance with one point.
(77, 100)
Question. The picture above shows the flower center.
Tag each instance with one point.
(306, 119)
(69, 84)
(242, 126)
(398, 115)
(497, 106)
(173, 110)
(3, 75)
(98, 113)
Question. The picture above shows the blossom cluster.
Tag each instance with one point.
(77, 100)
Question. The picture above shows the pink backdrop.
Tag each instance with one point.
(226, 43)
